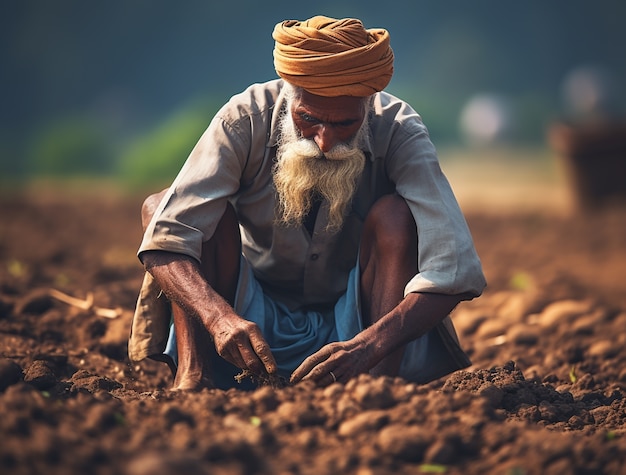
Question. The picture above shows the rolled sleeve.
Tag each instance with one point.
(192, 207)
(447, 260)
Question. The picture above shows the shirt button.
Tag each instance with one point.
(314, 257)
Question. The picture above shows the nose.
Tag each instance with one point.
(325, 137)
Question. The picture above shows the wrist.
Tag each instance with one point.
(373, 344)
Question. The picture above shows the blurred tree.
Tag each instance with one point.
(156, 156)
(70, 146)
(136, 62)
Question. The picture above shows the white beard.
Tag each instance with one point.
(302, 171)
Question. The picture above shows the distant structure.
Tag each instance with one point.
(591, 140)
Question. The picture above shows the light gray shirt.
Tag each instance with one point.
(233, 161)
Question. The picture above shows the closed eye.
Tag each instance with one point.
(345, 123)
(309, 119)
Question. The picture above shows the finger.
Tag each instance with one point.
(322, 376)
(250, 359)
(233, 356)
(263, 351)
(309, 367)
(243, 357)
(318, 374)
(226, 348)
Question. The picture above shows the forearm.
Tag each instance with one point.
(181, 280)
(236, 339)
(413, 317)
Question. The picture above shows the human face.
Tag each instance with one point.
(303, 170)
(328, 121)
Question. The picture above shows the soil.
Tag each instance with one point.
(545, 393)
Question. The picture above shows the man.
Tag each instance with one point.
(311, 233)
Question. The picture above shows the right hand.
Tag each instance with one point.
(237, 340)
(241, 343)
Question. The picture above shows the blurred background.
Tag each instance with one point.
(121, 90)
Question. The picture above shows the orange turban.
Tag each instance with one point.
(329, 57)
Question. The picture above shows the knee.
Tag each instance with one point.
(390, 224)
(149, 207)
(226, 236)
(229, 220)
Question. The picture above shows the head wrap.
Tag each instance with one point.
(329, 57)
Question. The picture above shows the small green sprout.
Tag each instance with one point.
(433, 468)
(61, 280)
(16, 268)
(521, 281)
(120, 420)
(255, 421)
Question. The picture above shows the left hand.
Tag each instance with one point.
(337, 361)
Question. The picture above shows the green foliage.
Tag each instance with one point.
(156, 156)
(71, 57)
(10, 165)
(70, 146)
(534, 113)
(255, 421)
(432, 468)
(16, 268)
(515, 471)
(120, 420)
(438, 111)
(521, 281)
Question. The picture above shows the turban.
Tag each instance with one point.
(329, 57)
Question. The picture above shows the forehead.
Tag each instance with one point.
(330, 108)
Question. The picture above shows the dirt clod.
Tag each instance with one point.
(545, 393)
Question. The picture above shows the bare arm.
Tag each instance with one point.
(414, 316)
(237, 340)
(411, 318)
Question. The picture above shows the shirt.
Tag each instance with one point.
(233, 162)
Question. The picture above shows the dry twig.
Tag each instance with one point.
(86, 304)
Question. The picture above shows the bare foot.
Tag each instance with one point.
(191, 383)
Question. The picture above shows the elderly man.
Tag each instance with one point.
(311, 233)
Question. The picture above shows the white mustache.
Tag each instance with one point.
(307, 148)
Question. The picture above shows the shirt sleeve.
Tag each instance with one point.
(190, 211)
(447, 260)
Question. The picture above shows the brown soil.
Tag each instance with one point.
(545, 393)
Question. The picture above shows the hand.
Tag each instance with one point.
(241, 343)
(237, 340)
(338, 361)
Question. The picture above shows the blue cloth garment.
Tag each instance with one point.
(294, 335)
